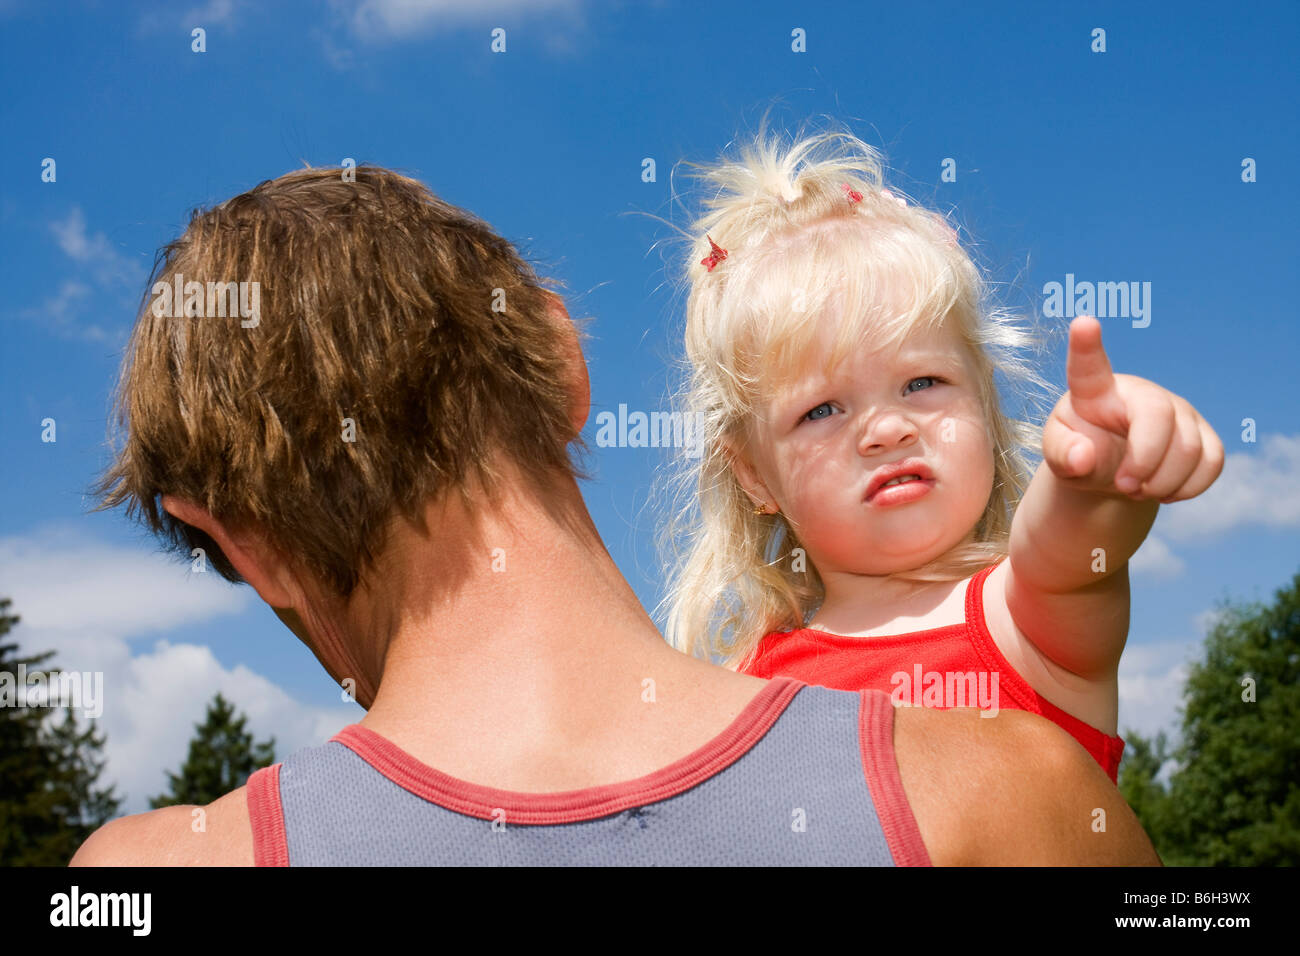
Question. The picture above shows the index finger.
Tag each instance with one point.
(1087, 369)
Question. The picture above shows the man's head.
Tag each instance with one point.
(402, 352)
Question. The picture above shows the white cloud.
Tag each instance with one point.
(376, 19)
(1257, 488)
(87, 599)
(1207, 619)
(339, 57)
(207, 15)
(154, 700)
(558, 26)
(95, 252)
(60, 313)
(1151, 678)
(64, 581)
(214, 11)
(102, 276)
(1154, 559)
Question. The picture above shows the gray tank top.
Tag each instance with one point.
(803, 776)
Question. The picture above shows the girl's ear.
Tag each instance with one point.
(747, 475)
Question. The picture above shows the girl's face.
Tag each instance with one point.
(824, 447)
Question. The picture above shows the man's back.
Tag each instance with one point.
(785, 784)
(803, 776)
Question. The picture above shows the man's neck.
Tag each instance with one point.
(516, 655)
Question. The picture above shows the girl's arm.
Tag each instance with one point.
(1114, 448)
(1077, 616)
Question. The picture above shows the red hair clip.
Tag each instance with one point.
(854, 195)
(714, 257)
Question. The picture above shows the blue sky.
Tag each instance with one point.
(1117, 166)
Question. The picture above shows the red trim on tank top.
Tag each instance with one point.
(1021, 691)
(975, 629)
(880, 764)
(266, 815)
(574, 806)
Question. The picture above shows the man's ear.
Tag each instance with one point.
(248, 552)
(746, 474)
(579, 382)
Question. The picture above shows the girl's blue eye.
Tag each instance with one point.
(825, 409)
(812, 416)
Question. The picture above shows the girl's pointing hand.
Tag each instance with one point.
(1120, 434)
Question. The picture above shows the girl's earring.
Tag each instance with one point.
(761, 509)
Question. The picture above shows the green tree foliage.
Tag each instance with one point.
(1143, 759)
(49, 803)
(1235, 798)
(221, 758)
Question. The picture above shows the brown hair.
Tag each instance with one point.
(379, 303)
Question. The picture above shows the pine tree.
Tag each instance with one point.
(84, 807)
(49, 804)
(1235, 798)
(221, 758)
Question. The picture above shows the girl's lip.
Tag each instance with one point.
(909, 466)
(901, 494)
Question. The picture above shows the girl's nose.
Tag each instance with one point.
(885, 432)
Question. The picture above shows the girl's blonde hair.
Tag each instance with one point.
(802, 246)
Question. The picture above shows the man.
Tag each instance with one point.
(382, 453)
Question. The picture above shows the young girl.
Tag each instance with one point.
(862, 514)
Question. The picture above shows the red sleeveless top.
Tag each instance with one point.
(958, 665)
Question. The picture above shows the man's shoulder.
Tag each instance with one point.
(218, 834)
(1015, 789)
(1011, 740)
